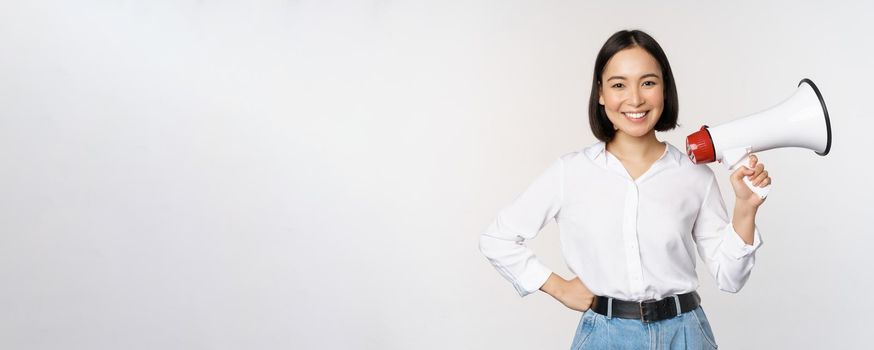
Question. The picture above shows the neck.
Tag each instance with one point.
(624, 146)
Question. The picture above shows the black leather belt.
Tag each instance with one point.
(647, 310)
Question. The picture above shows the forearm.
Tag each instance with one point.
(744, 221)
(516, 262)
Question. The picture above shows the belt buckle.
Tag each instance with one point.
(643, 312)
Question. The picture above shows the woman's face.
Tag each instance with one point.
(632, 91)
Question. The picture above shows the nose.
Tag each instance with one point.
(636, 99)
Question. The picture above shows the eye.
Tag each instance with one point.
(649, 83)
(617, 86)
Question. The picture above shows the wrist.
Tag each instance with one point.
(744, 209)
(554, 285)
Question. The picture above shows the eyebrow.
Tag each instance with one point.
(642, 77)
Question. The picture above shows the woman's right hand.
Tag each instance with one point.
(573, 294)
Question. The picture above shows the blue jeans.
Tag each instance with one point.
(689, 330)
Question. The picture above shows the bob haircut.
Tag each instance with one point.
(621, 40)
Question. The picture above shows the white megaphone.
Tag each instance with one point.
(799, 121)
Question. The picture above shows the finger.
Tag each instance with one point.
(741, 172)
(759, 179)
(758, 170)
(753, 160)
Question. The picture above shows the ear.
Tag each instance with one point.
(600, 96)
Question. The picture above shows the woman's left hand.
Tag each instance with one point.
(759, 178)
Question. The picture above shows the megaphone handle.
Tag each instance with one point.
(762, 192)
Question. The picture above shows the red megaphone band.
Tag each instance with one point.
(699, 147)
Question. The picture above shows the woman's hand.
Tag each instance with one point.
(759, 178)
(747, 202)
(573, 294)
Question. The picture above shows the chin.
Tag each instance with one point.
(635, 133)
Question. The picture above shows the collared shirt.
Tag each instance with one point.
(630, 239)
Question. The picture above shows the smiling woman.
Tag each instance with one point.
(630, 95)
(638, 79)
(632, 211)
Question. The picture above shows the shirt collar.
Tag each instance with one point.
(597, 153)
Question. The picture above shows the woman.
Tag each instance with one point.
(632, 211)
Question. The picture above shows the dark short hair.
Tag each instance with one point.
(621, 40)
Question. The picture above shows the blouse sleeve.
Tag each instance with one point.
(503, 242)
(729, 259)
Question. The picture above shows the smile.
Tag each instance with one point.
(635, 116)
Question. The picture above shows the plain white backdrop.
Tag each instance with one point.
(315, 174)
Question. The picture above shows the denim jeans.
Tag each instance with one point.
(689, 330)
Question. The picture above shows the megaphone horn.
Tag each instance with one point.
(800, 121)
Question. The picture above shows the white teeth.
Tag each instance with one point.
(634, 115)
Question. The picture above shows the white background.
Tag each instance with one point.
(315, 174)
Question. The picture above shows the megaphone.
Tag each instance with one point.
(799, 121)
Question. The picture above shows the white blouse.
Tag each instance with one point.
(627, 239)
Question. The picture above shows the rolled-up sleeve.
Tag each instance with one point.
(729, 259)
(503, 242)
